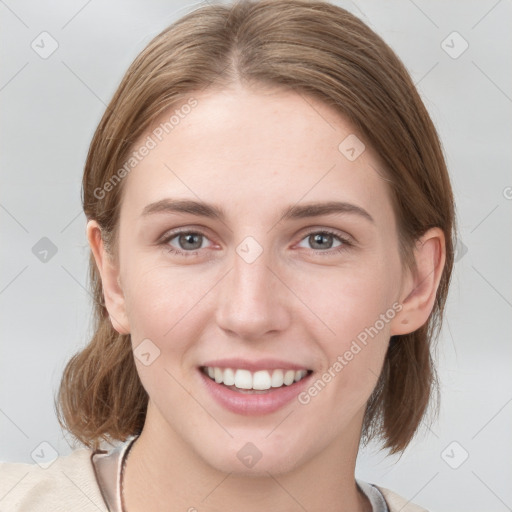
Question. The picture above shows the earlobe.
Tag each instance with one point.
(420, 289)
(110, 279)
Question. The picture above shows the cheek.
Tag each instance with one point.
(347, 301)
(164, 303)
(163, 307)
(356, 308)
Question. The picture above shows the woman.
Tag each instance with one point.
(271, 225)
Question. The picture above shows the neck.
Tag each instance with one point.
(164, 473)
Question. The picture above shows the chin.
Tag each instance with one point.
(260, 469)
(257, 459)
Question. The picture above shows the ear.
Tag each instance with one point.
(110, 279)
(418, 293)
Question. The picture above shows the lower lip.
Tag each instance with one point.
(253, 404)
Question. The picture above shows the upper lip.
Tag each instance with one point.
(254, 365)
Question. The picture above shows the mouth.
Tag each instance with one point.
(245, 381)
(250, 386)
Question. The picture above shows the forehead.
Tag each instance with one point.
(238, 146)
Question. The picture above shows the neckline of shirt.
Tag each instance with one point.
(108, 467)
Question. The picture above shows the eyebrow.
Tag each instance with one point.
(296, 211)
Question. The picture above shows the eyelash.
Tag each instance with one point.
(346, 244)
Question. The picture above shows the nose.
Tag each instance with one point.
(253, 302)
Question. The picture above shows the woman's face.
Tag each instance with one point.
(269, 284)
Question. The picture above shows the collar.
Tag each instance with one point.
(107, 468)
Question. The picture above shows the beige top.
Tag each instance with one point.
(87, 481)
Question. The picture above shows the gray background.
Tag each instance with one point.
(50, 109)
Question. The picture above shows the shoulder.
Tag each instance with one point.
(397, 503)
(68, 483)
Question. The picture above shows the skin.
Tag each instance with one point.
(255, 152)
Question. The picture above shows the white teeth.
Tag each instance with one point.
(289, 377)
(277, 378)
(218, 375)
(300, 374)
(243, 379)
(229, 377)
(260, 380)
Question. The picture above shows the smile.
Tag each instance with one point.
(261, 380)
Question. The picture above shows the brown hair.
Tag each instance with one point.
(309, 47)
